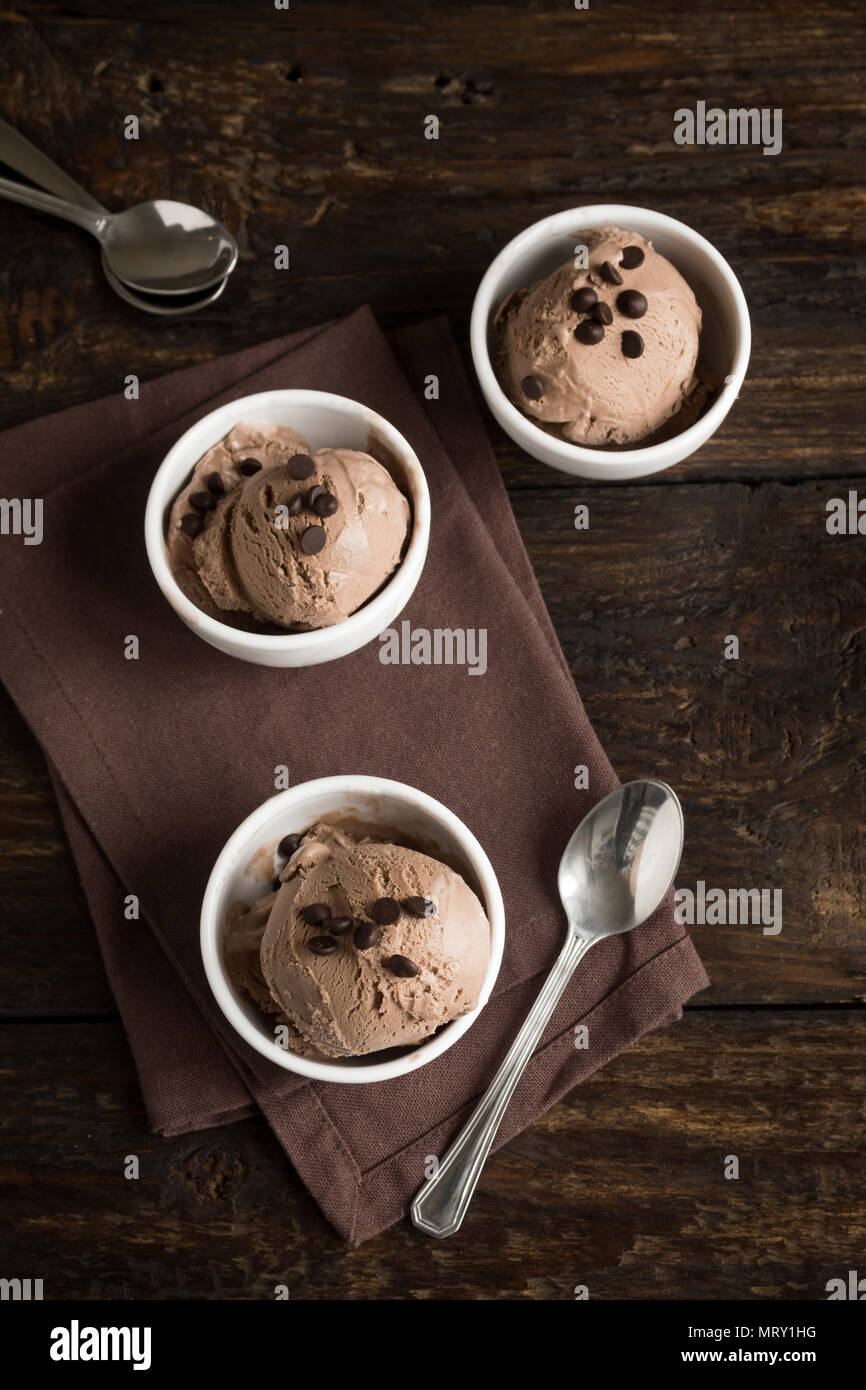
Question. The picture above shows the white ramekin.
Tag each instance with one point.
(327, 421)
(726, 336)
(375, 799)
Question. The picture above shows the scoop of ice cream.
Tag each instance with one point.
(218, 473)
(605, 355)
(366, 945)
(300, 542)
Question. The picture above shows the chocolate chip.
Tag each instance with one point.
(314, 492)
(322, 945)
(215, 484)
(337, 926)
(276, 885)
(312, 540)
(191, 524)
(602, 313)
(301, 466)
(631, 257)
(325, 504)
(631, 303)
(385, 911)
(611, 274)
(288, 844)
(315, 913)
(420, 907)
(202, 501)
(296, 506)
(531, 388)
(248, 467)
(589, 332)
(632, 344)
(583, 300)
(366, 936)
(402, 966)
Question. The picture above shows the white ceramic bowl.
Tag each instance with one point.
(327, 421)
(726, 335)
(390, 804)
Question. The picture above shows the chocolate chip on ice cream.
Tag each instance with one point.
(346, 993)
(631, 258)
(313, 539)
(420, 907)
(632, 343)
(589, 332)
(583, 300)
(322, 945)
(337, 926)
(366, 935)
(315, 913)
(325, 504)
(301, 466)
(631, 303)
(385, 911)
(402, 966)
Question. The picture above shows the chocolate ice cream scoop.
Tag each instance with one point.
(266, 533)
(349, 976)
(606, 355)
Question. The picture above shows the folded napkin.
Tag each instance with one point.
(157, 760)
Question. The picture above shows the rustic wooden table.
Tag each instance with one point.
(306, 127)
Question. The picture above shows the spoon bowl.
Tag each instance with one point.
(621, 859)
(164, 247)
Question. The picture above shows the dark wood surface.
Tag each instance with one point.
(307, 128)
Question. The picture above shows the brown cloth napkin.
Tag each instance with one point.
(157, 760)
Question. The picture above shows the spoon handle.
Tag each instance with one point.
(24, 158)
(442, 1202)
(44, 202)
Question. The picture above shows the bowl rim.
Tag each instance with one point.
(517, 424)
(162, 492)
(213, 909)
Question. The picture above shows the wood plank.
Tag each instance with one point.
(620, 1187)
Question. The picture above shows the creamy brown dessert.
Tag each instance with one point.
(605, 356)
(266, 534)
(362, 944)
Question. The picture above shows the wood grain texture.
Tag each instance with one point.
(621, 1187)
(306, 128)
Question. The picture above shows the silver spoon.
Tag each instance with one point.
(17, 151)
(160, 247)
(616, 869)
